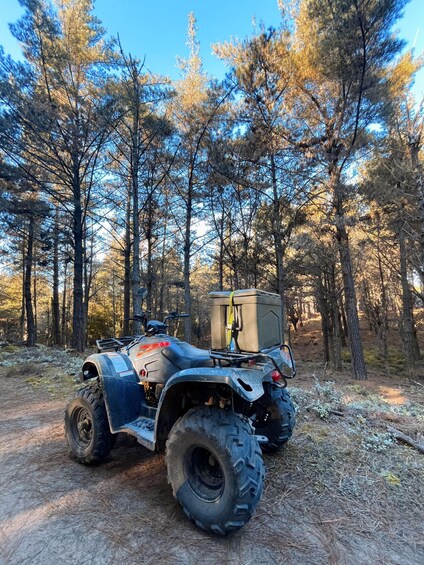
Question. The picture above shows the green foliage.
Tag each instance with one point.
(396, 359)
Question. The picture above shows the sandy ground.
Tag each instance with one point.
(53, 509)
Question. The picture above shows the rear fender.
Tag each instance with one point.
(121, 389)
(246, 383)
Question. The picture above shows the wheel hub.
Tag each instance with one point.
(204, 474)
(83, 426)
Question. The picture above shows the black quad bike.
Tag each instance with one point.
(213, 412)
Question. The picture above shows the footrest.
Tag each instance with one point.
(143, 430)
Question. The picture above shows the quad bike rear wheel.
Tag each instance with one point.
(215, 468)
(275, 417)
(87, 427)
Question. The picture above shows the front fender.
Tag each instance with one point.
(123, 394)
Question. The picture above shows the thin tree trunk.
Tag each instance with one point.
(414, 148)
(63, 337)
(113, 303)
(135, 279)
(149, 266)
(221, 252)
(127, 268)
(325, 339)
(30, 341)
(187, 251)
(34, 296)
(344, 322)
(162, 272)
(88, 279)
(278, 244)
(55, 302)
(358, 367)
(337, 359)
(383, 326)
(78, 328)
(22, 316)
(359, 370)
(408, 330)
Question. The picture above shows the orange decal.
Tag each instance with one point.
(143, 349)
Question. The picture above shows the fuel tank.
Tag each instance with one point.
(157, 358)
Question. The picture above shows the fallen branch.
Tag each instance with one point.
(336, 412)
(416, 383)
(400, 436)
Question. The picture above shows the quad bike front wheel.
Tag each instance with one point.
(87, 427)
(215, 468)
(275, 417)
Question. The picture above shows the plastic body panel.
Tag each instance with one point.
(258, 318)
(124, 397)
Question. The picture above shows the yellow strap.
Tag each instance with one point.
(230, 320)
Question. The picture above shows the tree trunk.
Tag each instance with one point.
(113, 303)
(187, 251)
(135, 279)
(127, 268)
(278, 245)
(63, 338)
(34, 292)
(22, 316)
(358, 367)
(325, 339)
(221, 253)
(55, 303)
(414, 148)
(335, 315)
(30, 340)
(344, 322)
(88, 277)
(408, 330)
(383, 326)
(149, 265)
(162, 272)
(78, 329)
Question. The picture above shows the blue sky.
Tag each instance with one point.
(156, 29)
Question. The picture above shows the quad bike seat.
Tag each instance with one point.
(186, 356)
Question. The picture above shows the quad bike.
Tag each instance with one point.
(213, 412)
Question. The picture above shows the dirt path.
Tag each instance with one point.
(55, 510)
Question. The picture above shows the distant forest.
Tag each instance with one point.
(301, 173)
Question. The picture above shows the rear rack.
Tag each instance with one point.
(113, 343)
(235, 357)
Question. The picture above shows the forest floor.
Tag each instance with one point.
(343, 491)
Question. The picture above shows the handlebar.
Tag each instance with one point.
(139, 317)
(174, 316)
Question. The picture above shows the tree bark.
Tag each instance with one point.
(384, 325)
(358, 367)
(30, 340)
(278, 244)
(408, 330)
(55, 302)
(78, 329)
(187, 252)
(135, 278)
(337, 344)
(22, 316)
(63, 337)
(127, 267)
(414, 149)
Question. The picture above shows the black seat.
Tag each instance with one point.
(186, 356)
